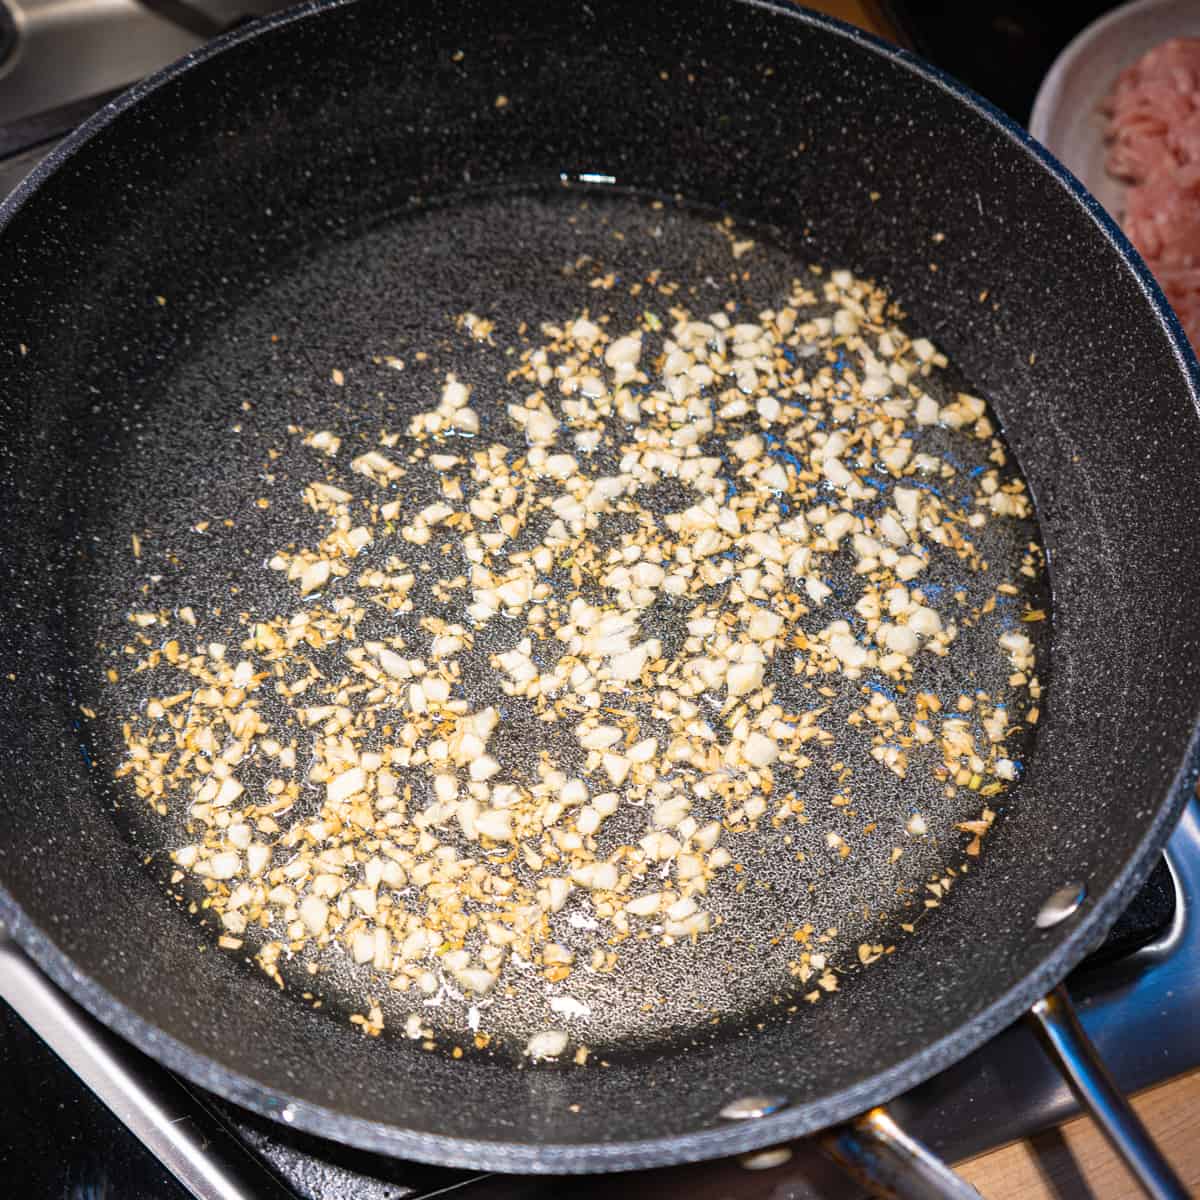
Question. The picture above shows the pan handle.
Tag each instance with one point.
(1064, 1040)
(161, 1113)
(882, 1158)
(888, 1163)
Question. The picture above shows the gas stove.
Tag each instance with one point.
(1137, 994)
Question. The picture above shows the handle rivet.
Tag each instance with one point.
(1060, 905)
(765, 1160)
(749, 1108)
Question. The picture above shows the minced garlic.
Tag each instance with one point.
(346, 789)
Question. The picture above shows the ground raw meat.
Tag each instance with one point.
(1154, 145)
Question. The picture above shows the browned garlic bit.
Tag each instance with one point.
(701, 510)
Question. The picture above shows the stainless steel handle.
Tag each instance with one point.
(183, 1135)
(881, 1157)
(888, 1163)
(1064, 1040)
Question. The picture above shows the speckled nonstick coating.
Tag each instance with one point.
(209, 183)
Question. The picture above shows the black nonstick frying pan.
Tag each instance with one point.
(331, 177)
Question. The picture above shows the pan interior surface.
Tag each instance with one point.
(328, 136)
(209, 477)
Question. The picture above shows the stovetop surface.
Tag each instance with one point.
(57, 1139)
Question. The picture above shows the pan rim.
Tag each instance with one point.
(721, 1140)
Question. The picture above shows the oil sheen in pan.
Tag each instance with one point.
(197, 450)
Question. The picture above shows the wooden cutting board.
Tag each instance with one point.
(1074, 1162)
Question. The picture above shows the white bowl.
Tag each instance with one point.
(1066, 114)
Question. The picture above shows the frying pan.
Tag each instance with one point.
(317, 136)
